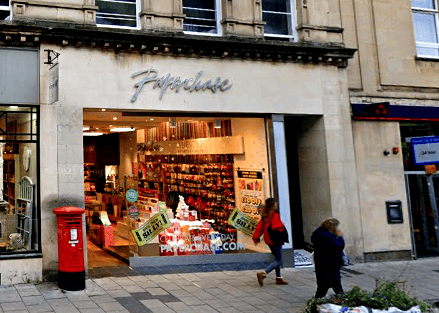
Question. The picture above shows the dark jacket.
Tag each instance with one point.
(328, 249)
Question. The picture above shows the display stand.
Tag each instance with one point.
(25, 211)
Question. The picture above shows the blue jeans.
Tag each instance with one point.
(277, 252)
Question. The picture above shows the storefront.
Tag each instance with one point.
(405, 157)
(190, 127)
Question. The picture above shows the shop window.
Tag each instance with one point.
(425, 18)
(19, 209)
(279, 16)
(202, 16)
(5, 10)
(117, 13)
(196, 170)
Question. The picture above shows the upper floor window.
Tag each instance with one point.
(425, 17)
(279, 16)
(5, 10)
(117, 13)
(202, 16)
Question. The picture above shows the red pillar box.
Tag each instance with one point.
(71, 267)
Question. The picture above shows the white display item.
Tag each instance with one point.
(332, 308)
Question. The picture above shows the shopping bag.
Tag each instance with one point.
(332, 308)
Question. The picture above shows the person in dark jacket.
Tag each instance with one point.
(270, 217)
(328, 249)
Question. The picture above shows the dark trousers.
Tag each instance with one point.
(275, 265)
(327, 280)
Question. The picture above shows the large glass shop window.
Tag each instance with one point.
(19, 222)
(197, 185)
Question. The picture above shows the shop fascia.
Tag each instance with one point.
(177, 83)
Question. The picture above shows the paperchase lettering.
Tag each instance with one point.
(177, 83)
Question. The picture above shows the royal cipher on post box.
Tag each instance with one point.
(71, 268)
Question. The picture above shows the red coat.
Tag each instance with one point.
(262, 228)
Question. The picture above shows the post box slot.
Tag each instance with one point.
(73, 223)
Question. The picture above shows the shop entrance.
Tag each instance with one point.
(423, 195)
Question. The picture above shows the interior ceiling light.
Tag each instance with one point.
(122, 129)
(103, 110)
(14, 107)
(85, 128)
(114, 118)
(92, 134)
(217, 123)
(111, 125)
(151, 119)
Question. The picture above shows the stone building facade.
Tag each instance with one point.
(291, 63)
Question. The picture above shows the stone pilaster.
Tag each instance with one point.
(242, 18)
(67, 11)
(319, 21)
(162, 15)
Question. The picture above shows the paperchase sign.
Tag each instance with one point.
(168, 81)
(425, 150)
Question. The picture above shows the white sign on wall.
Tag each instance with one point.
(425, 150)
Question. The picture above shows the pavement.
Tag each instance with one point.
(205, 292)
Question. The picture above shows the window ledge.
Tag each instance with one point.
(14, 256)
(432, 59)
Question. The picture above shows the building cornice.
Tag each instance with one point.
(31, 33)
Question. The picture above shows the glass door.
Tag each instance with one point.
(423, 195)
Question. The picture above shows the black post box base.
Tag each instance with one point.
(71, 281)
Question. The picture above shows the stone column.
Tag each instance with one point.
(242, 18)
(319, 21)
(164, 15)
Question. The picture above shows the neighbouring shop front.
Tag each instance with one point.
(408, 152)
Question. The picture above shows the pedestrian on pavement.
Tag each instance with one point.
(270, 218)
(328, 245)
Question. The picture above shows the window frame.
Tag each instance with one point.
(419, 44)
(34, 139)
(292, 21)
(138, 22)
(218, 15)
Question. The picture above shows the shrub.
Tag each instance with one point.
(385, 295)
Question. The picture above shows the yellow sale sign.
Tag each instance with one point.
(154, 226)
(242, 222)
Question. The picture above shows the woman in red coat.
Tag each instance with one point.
(270, 217)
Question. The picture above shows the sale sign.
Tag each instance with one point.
(154, 226)
(251, 192)
(242, 222)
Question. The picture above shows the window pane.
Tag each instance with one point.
(4, 15)
(275, 5)
(201, 4)
(4, 3)
(427, 52)
(275, 23)
(197, 18)
(425, 4)
(425, 27)
(120, 13)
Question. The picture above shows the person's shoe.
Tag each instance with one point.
(261, 276)
(280, 281)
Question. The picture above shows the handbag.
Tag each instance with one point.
(278, 237)
(346, 260)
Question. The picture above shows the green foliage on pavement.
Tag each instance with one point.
(386, 295)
